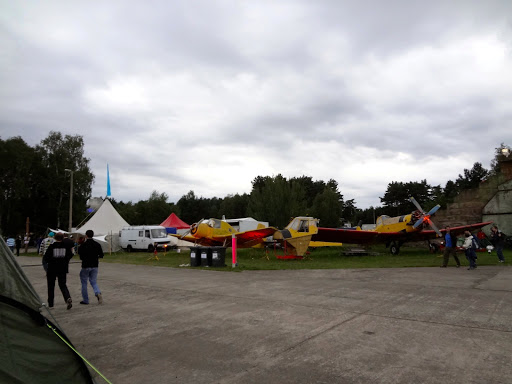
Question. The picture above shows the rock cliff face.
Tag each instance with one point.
(491, 201)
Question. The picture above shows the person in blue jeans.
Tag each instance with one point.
(450, 242)
(90, 252)
(470, 248)
(498, 240)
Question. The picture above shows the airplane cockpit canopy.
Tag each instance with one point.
(301, 224)
(213, 223)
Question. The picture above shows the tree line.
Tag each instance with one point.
(34, 184)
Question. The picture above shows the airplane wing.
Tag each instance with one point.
(249, 238)
(243, 239)
(351, 236)
(429, 234)
(190, 238)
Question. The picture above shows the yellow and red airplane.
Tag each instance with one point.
(216, 232)
(394, 231)
(296, 236)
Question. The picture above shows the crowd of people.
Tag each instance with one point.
(470, 246)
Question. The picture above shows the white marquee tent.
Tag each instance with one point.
(105, 222)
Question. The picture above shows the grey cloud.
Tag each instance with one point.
(305, 55)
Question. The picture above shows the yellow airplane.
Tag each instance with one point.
(216, 232)
(296, 237)
(394, 231)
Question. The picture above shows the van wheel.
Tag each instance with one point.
(129, 249)
(151, 248)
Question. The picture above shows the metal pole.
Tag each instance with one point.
(70, 199)
(71, 203)
(233, 251)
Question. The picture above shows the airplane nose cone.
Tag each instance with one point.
(202, 231)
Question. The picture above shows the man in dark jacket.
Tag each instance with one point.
(450, 242)
(57, 258)
(498, 240)
(90, 251)
(18, 245)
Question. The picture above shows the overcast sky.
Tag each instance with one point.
(206, 95)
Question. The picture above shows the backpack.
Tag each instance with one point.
(474, 244)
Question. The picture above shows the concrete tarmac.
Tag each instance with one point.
(408, 325)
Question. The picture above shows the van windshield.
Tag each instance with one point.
(158, 233)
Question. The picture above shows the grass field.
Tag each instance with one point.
(320, 258)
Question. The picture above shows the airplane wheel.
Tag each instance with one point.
(434, 248)
(394, 249)
(129, 248)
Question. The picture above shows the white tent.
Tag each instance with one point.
(105, 222)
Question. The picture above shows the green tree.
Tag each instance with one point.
(192, 208)
(472, 177)
(310, 188)
(276, 200)
(327, 207)
(128, 211)
(57, 153)
(234, 206)
(17, 171)
(450, 190)
(349, 211)
(396, 199)
(152, 211)
(499, 153)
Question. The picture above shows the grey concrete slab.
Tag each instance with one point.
(164, 325)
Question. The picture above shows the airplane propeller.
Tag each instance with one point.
(425, 217)
(192, 228)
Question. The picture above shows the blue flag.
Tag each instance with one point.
(108, 183)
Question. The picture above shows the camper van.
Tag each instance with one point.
(143, 237)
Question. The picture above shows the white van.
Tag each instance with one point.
(144, 237)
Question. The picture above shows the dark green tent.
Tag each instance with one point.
(30, 351)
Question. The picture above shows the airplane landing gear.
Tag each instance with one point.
(434, 248)
(394, 248)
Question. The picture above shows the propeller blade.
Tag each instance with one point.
(413, 200)
(434, 210)
(419, 222)
(190, 229)
(434, 227)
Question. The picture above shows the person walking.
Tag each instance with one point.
(38, 243)
(11, 243)
(470, 247)
(498, 240)
(26, 241)
(450, 242)
(18, 245)
(46, 243)
(57, 258)
(90, 252)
